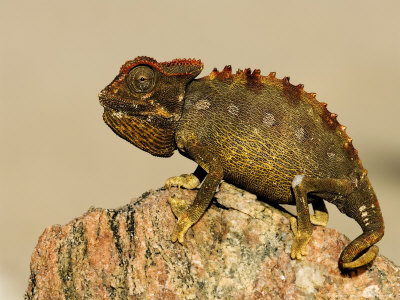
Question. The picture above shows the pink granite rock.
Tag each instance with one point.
(240, 249)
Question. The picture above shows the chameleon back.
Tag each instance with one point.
(265, 134)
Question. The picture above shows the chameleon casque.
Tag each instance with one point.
(259, 133)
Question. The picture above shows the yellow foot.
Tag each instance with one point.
(187, 181)
(178, 206)
(319, 218)
(293, 224)
(300, 241)
(180, 229)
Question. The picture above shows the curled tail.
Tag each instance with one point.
(361, 251)
(362, 205)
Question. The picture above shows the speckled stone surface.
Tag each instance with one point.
(240, 249)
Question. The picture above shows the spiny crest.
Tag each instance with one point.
(226, 73)
(253, 79)
(175, 67)
(331, 121)
(330, 118)
(350, 148)
(292, 92)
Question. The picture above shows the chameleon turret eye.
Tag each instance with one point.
(141, 79)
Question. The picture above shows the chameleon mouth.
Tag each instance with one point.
(138, 117)
(115, 104)
(103, 99)
(116, 113)
(119, 114)
(145, 116)
(119, 109)
(138, 110)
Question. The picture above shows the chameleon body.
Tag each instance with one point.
(257, 132)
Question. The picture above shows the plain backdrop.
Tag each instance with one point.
(58, 158)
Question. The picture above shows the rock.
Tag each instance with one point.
(240, 249)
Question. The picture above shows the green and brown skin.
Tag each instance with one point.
(260, 133)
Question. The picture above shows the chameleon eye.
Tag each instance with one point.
(141, 79)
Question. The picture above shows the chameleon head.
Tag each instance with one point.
(145, 100)
(145, 87)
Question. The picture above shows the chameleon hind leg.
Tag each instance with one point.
(302, 228)
(320, 216)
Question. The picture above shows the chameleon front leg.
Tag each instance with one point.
(187, 181)
(302, 228)
(203, 198)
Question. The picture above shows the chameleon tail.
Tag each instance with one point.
(363, 206)
(362, 248)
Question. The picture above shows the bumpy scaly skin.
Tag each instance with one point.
(258, 132)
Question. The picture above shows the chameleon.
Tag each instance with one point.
(259, 133)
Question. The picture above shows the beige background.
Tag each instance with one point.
(57, 157)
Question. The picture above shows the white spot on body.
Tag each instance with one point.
(331, 155)
(233, 109)
(373, 205)
(362, 208)
(364, 214)
(180, 98)
(203, 104)
(297, 180)
(299, 134)
(269, 120)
